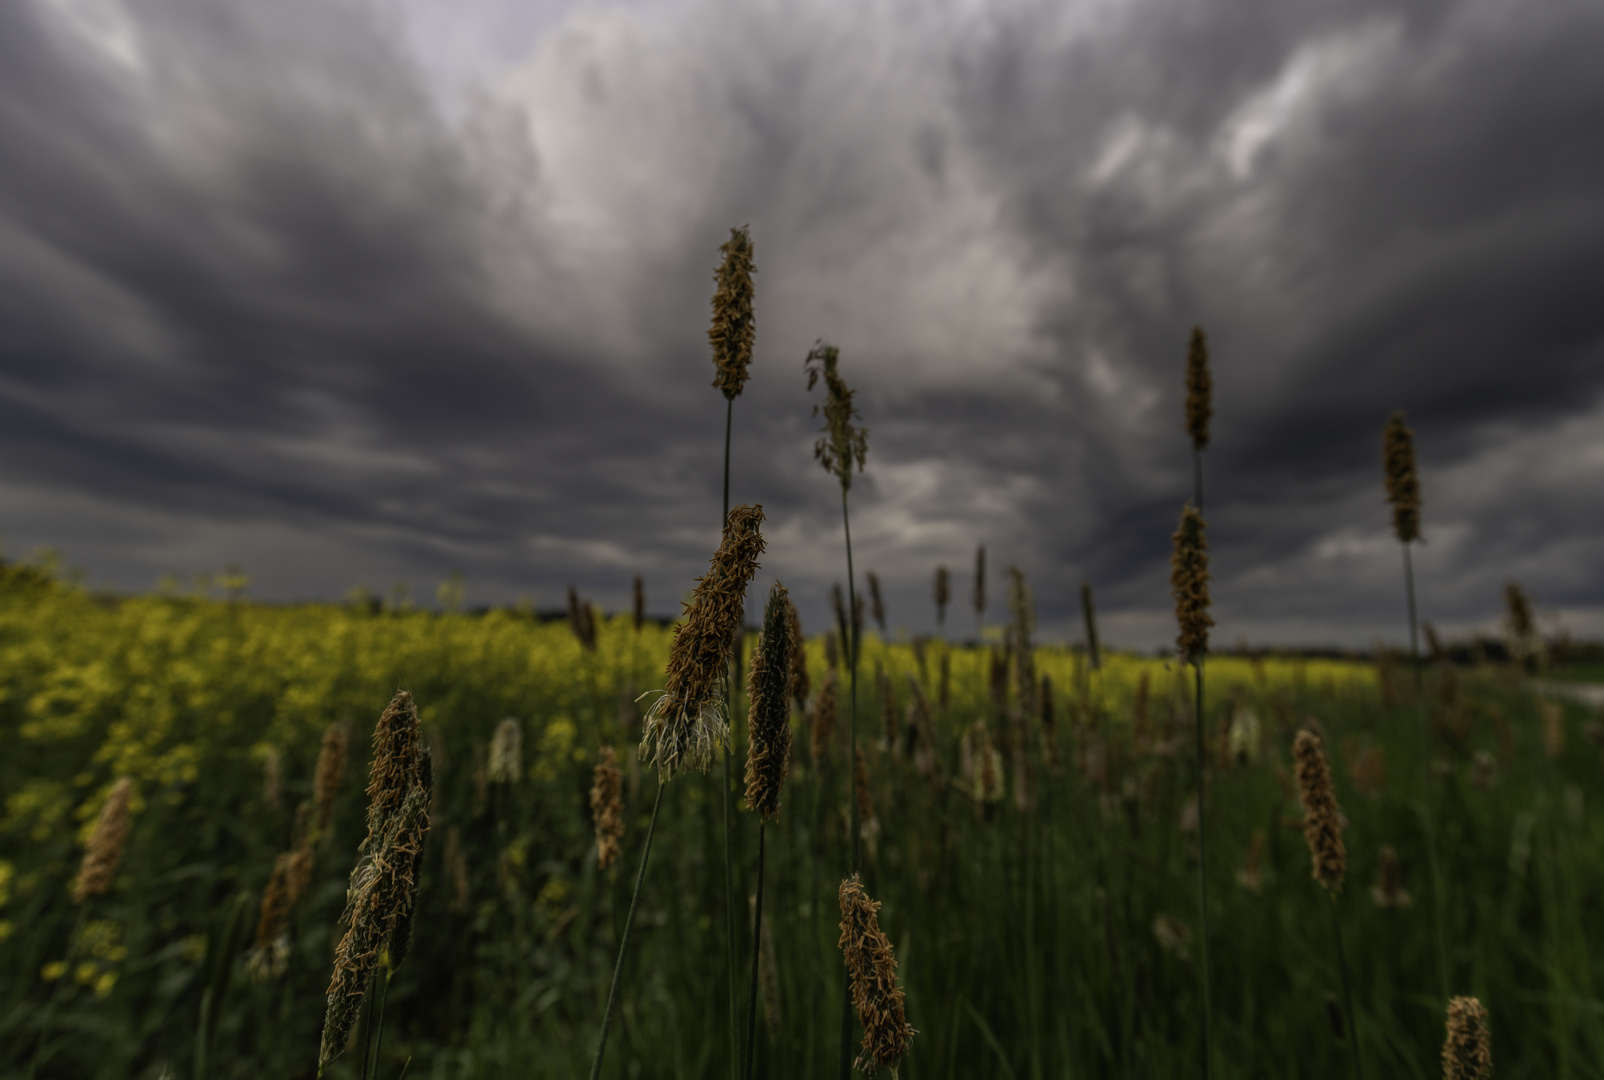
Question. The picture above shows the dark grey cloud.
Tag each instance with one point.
(270, 294)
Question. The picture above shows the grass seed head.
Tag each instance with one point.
(1518, 620)
(607, 807)
(1189, 584)
(877, 606)
(394, 771)
(890, 718)
(860, 776)
(978, 595)
(842, 441)
(273, 778)
(687, 720)
(801, 686)
(275, 904)
(379, 902)
(330, 770)
(768, 756)
(821, 735)
(105, 848)
(734, 327)
(1322, 818)
(943, 594)
(872, 970)
(1199, 389)
(414, 828)
(1467, 1051)
(640, 603)
(1403, 484)
(507, 752)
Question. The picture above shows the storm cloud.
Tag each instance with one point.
(323, 289)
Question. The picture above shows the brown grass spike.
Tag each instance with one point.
(872, 969)
(687, 721)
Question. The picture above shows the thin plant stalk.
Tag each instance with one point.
(727, 794)
(757, 938)
(623, 941)
(1347, 987)
(852, 728)
(1202, 867)
(1429, 813)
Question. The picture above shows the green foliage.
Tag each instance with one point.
(1051, 934)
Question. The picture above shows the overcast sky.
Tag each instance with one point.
(352, 292)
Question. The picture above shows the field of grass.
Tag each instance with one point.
(1052, 932)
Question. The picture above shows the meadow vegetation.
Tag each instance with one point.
(1026, 819)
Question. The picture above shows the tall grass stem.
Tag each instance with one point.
(757, 938)
(852, 741)
(1203, 868)
(623, 942)
(726, 794)
(1423, 714)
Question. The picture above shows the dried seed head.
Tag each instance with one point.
(1403, 485)
(997, 682)
(943, 594)
(1322, 818)
(800, 684)
(275, 908)
(640, 602)
(1433, 643)
(1089, 613)
(607, 807)
(582, 620)
(821, 736)
(985, 764)
(860, 777)
(394, 771)
(1199, 389)
(842, 442)
(408, 842)
(1049, 724)
(1518, 619)
(877, 606)
(273, 778)
(924, 727)
(978, 596)
(1025, 677)
(1466, 1052)
(687, 720)
(507, 752)
(872, 969)
(832, 649)
(330, 770)
(1189, 584)
(734, 327)
(300, 856)
(300, 875)
(890, 720)
(1021, 605)
(105, 848)
(768, 755)
(380, 900)
(1388, 891)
